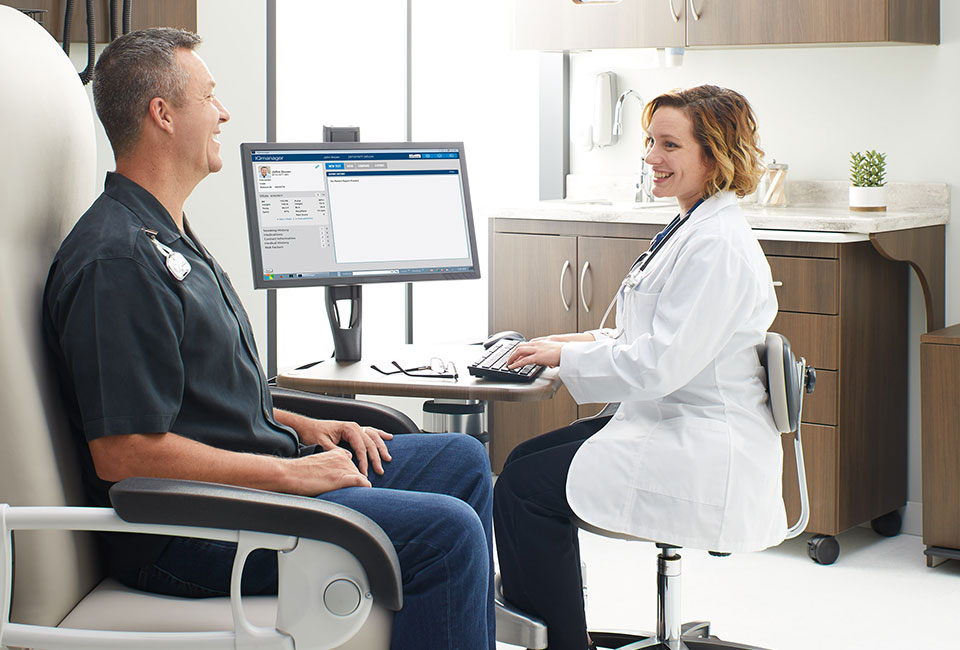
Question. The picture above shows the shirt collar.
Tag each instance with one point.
(143, 205)
(712, 205)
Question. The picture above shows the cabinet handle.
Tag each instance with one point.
(674, 14)
(693, 11)
(563, 273)
(583, 273)
(777, 283)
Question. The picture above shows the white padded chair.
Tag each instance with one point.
(339, 575)
(787, 381)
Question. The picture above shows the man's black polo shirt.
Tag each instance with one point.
(138, 351)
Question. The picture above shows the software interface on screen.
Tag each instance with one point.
(331, 213)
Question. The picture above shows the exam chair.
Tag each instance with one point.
(787, 381)
(339, 576)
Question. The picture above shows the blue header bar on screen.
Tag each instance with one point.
(267, 156)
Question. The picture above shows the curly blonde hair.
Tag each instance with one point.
(726, 128)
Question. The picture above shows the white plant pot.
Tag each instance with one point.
(868, 199)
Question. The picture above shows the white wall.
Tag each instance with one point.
(814, 106)
(234, 47)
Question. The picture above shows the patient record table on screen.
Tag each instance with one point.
(467, 392)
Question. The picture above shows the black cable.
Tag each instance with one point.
(127, 11)
(114, 19)
(87, 73)
(67, 26)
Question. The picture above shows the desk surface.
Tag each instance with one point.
(359, 378)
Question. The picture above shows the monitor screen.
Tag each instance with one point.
(356, 212)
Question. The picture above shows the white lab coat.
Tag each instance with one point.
(691, 457)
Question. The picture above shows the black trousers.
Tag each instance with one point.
(537, 543)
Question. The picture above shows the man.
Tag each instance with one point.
(160, 375)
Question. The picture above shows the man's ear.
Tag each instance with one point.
(159, 114)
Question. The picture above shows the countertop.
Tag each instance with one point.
(818, 206)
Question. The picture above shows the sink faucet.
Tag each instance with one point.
(643, 195)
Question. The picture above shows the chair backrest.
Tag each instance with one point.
(47, 179)
(783, 381)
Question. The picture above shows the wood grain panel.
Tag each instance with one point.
(511, 423)
(799, 248)
(812, 336)
(872, 431)
(808, 285)
(144, 13)
(914, 21)
(609, 261)
(525, 284)
(940, 405)
(577, 228)
(820, 407)
(778, 22)
(819, 457)
(566, 25)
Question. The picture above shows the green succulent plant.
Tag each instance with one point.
(868, 169)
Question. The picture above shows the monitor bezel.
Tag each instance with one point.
(256, 257)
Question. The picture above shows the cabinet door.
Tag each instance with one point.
(569, 25)
(534, 291)
(770, 22)
(603, 263)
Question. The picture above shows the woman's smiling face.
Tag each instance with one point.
(677, 161)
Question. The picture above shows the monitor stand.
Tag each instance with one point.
(346, 338)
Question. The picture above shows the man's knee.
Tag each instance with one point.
(459, 534)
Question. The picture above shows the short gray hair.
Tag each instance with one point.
(131, 71)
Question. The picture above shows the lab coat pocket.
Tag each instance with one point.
(639, 308)
(688, 458)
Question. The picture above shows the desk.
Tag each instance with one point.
(358, 378)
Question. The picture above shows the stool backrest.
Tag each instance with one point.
(47, 180)
(783, 381)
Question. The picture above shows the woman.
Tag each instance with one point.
(691, 456)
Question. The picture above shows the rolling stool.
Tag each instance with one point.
(787, 381)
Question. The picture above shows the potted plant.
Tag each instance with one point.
(868, 192)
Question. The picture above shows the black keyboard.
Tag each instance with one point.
(492, 365)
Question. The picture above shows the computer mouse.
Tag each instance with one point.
(507, 334)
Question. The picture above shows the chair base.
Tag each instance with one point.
(696, 636)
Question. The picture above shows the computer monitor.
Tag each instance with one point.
(343, 213)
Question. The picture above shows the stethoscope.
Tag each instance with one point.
(636, 271)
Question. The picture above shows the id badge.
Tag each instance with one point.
(178, 266)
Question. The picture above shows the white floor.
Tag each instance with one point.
(879, 593)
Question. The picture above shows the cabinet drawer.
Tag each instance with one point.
(808, 285)
(820, 461)
(812, 336)
(820, 407)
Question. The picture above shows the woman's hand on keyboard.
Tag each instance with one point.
(541, 352)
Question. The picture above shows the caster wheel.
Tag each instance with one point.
(888, 525)
(823, 549)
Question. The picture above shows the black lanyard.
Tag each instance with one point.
(661, 239)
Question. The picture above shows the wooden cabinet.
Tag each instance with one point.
(569, 25)
(842, 306)
(544, 282)
(143, 14)
(940, 408)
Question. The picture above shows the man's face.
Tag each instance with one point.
(199, 117)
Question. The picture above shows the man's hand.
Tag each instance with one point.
(366, 442)
(319, 473)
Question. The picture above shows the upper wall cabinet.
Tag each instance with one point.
(585, 24)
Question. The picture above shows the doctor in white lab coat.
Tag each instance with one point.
(691, 457)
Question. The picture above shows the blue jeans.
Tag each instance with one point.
(434, 501)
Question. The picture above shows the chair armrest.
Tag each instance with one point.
(211, 505)
(323, 407)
